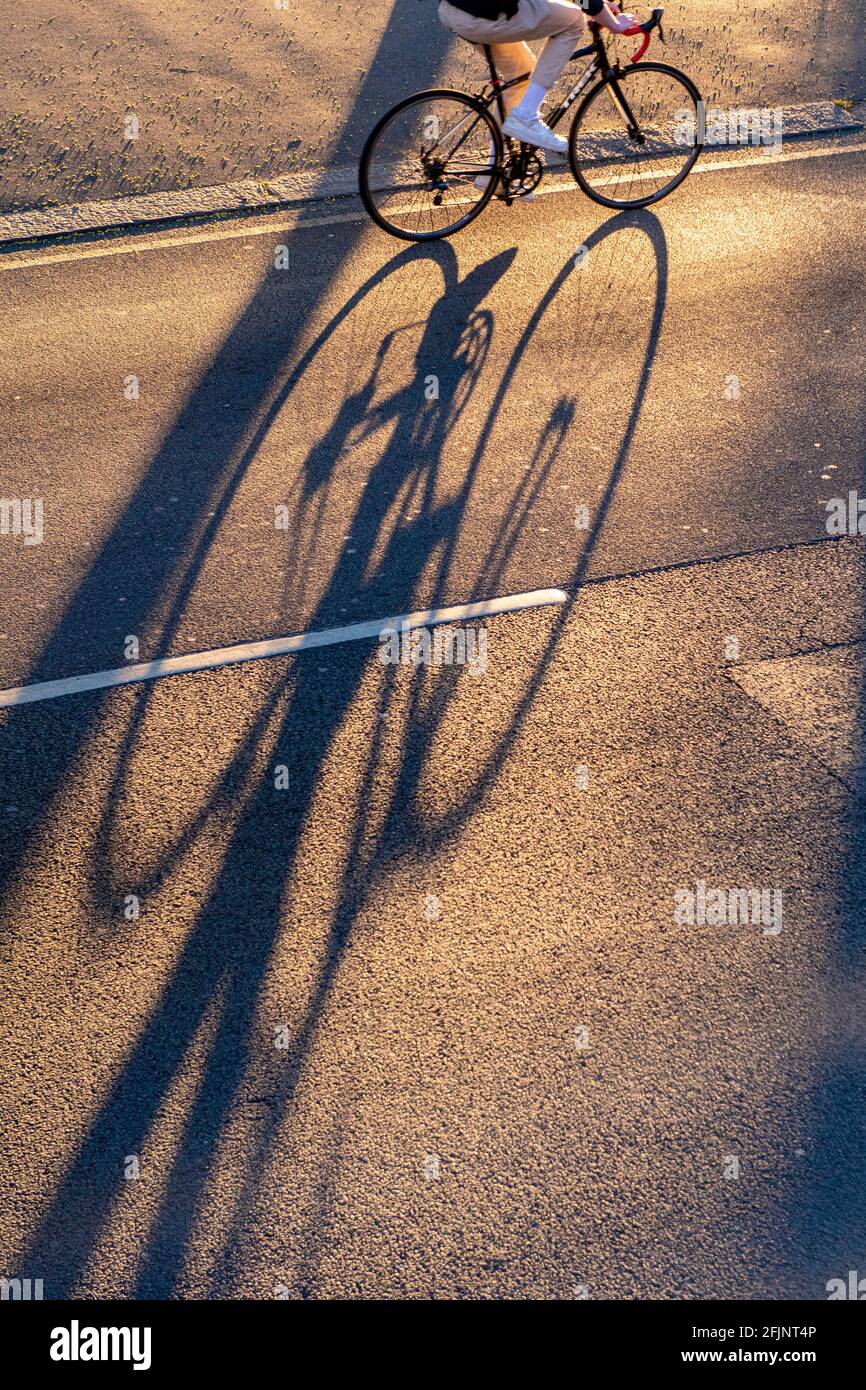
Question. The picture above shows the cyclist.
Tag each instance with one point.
(506, 25)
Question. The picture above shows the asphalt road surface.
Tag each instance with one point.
(328, 978)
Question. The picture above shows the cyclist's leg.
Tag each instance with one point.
(512, 60)
(561, 23)
(558, 21)
(510, 56)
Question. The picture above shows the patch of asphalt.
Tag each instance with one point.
(418, 1020)
(818, 696)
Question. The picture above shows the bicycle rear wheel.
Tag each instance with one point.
(635, 136)
(419, 165)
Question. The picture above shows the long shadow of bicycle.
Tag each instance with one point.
(219, 974)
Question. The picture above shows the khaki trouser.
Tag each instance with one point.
(558, 21)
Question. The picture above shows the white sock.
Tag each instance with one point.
(527, 107)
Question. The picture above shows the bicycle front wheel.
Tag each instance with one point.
(424, 170)
(636, 136)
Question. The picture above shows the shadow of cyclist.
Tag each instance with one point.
(220, 971)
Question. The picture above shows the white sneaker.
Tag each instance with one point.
(534, 132)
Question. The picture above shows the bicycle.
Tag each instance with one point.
(425, 147)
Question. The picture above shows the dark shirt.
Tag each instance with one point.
(492, 9)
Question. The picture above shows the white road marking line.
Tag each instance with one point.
(277, 646)
(157, 241)
(710, 166)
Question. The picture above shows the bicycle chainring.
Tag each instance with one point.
(525, 174)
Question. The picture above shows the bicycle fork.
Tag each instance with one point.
(620, 102)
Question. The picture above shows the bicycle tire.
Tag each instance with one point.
(367, 198)
(623, 76)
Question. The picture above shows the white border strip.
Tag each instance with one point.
(281, 223)
(277, 646)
